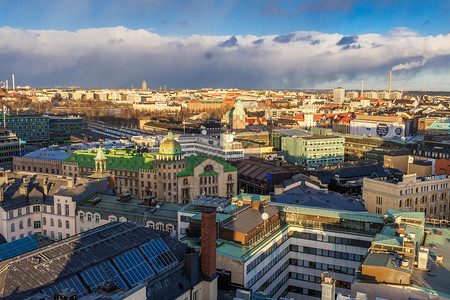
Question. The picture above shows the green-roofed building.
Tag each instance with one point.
(167, 175)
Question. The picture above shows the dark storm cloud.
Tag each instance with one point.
(283, 39)
(231, 42)
(258, 42)
(347, 40)
(39, 58)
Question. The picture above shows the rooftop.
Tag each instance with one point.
(133, 210)
(114, 251)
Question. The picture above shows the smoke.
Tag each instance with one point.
(409, 65)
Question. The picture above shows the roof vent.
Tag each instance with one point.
(405, 263)
(35, 260)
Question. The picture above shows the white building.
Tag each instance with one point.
(383, 129)
(339, 95)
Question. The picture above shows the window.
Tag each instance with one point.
(89, 217)
(29, 222)
(66, 209)
(379, 200)
(36, 208)
(11, 214)
(28, 209)
(21, 225)
(19, 212)
(60, 235)
(230, 177)
(52, 223)
(44, 221)
(59, 223)
(81, 216)
(58, 208)
(97, 218)
(208, 168)
(13, 227)
(37, 224)
(379, 210)
(67, 225)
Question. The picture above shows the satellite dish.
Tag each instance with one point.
(157, 206)
(240, 203)
(219, 209)
(265, 216)
(204, 132)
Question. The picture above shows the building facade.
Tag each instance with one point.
(313, 150)
(62, 128)
(284, 254)
(9, 146)
(165, 175)
(34, 129)
(428, 194)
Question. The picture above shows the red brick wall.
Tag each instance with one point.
(208, 251)
(442, 166)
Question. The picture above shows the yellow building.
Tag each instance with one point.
(428, 194)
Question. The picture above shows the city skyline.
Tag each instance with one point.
(199, 44)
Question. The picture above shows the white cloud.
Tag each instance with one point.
(117, 57)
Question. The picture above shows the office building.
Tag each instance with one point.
(34, 129)
(9, 146)
(339, 95)
(380, 126)
(427, 194)
(315, 150)
(61, 129)
(282, 249)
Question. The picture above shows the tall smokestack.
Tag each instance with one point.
(14, 84)
(362, 88)
(208, 242)
(6, 84)
(390, 77)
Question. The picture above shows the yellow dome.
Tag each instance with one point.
(170, 146)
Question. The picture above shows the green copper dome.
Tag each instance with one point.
(170, 146)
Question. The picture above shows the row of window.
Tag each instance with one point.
(331, 239)
(267, 267)
(316, 279)
(266, 253)
(321, 266)
(274, 276)
(326, 253)
(37, 208)
(37, 224)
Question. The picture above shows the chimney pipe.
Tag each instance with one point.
(362, 88)
(208, 242)
(13, 82)
(390, 77)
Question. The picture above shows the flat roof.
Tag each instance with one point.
(332, 213)
(435, 280)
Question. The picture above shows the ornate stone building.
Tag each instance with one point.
(167, 175)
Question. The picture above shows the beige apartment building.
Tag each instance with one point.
(428, 194)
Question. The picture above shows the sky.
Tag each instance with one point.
(253, 44)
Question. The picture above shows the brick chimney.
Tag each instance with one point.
(208, 234)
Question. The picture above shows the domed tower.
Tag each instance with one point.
(169, 162)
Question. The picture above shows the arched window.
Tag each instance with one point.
(13, 227)
(21, 225)
(67, 225)
(44, 221)
(29, 222)
(208, 168)
(52, 223)
(185, 181)
(59, 223)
